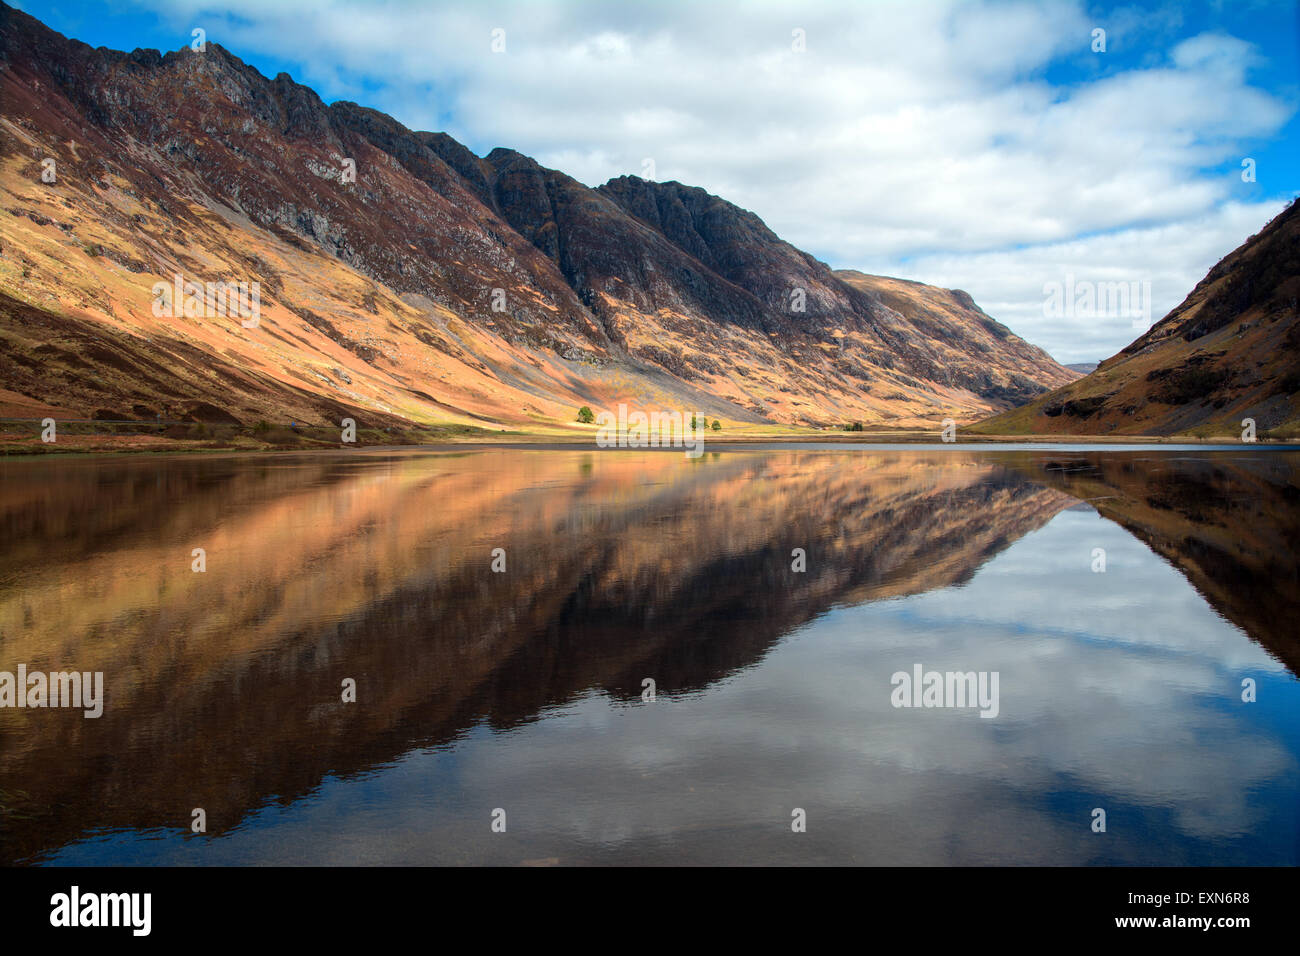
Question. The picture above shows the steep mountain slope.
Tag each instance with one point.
(961, 343)
(432, 286)
(1230, 351)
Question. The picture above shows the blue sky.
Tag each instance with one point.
(983, 146)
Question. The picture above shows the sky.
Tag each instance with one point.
(1007, 149)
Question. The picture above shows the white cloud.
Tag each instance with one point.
(1172, 257)
(906, 138)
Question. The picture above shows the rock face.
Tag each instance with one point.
(403, 278)
(1229, 352)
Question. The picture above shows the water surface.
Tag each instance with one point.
(524, 690)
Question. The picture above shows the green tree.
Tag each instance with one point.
(717, 425)
(586, 415)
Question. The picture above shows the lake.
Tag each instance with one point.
(568, 656)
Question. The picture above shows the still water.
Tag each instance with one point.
(522, 696)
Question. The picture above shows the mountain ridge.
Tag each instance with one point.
(437, 286)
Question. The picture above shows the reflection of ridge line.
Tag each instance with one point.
(1223, 523)
(432, 668)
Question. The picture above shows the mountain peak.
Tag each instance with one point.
(403, 278)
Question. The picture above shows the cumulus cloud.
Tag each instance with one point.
(912, 139)
(1166, 261)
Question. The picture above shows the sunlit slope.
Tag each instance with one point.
(431, 286)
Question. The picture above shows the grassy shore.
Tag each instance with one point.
(144, 437)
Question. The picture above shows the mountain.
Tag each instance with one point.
(433, 285)
(1083, 368)
(1230, 351)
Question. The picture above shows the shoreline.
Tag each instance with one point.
(21, 438)
(523, 442)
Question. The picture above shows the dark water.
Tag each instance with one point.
(523, 691)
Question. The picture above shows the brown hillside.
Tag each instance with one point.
(1230, 351)
(437, 287)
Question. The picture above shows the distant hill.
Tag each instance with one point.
(1083, 368)
(1230, 351)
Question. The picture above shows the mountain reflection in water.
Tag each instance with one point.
(523, 689)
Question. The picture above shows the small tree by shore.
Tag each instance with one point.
(586, 415)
